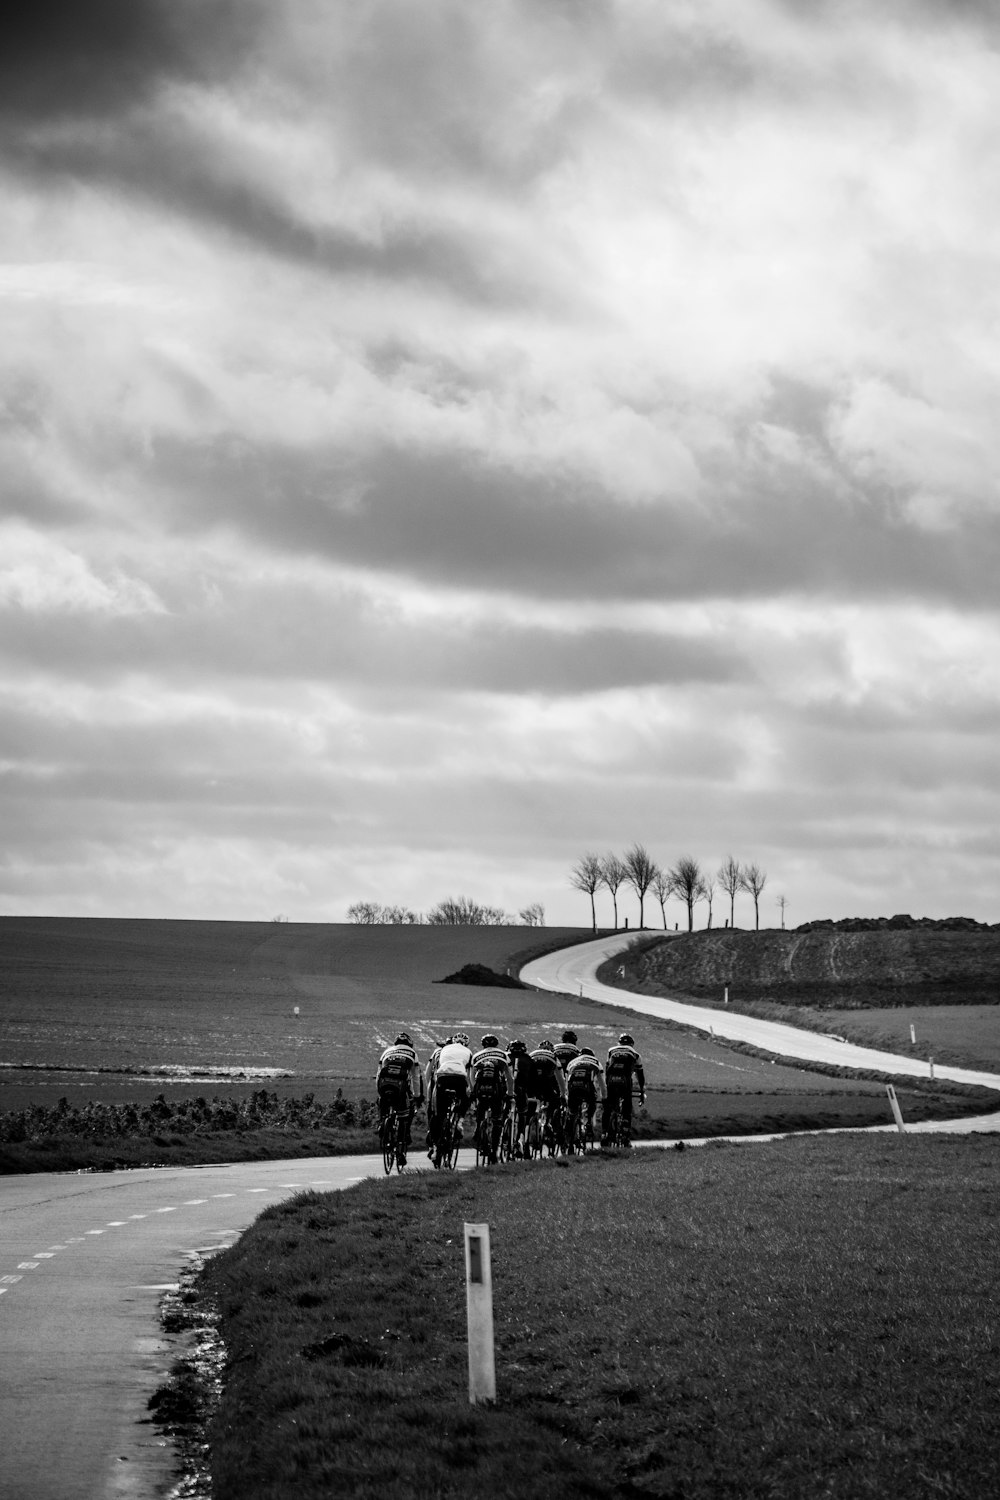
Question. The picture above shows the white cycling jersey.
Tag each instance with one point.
(454, 1059)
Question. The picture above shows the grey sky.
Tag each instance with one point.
(437, 440)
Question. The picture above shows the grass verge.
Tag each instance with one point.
(817, 1317)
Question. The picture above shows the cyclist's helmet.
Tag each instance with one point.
(569, 1036)
(489, 1040)
(626, 1040)
(517, 1046)
(545, 1047)
(587, 1052)
(403, 1040)
(461, 1038)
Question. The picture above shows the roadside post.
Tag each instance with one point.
(897, 1112)
(913, 1034)
(479, 1309)
(932, 1067)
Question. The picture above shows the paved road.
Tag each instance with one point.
(84, 1260)
(571, 971)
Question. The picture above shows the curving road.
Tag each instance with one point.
(84, 1260)
(572, 971)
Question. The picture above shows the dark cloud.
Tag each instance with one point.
(95, 58)
(448, 520)
(297, 634)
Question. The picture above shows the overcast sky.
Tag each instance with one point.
(439, 439)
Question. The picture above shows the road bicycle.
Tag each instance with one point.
(487, 1136)
(446, 1151)
(392, 1138)
(509, 1148)
(581, 1131)
(534, 1132)
(616, 1131)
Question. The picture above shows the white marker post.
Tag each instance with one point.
(479, 1307)
(931, 1060)
(913, 1034)
(725, 995)
(897, 1112)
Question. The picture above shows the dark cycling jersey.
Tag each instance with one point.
(624, 1064)
(398, 1070)
(490, 1071)
(546, 1080)
(565, 1052)
(584, 1079)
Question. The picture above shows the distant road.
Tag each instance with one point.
(84, 1260)
(571, 971)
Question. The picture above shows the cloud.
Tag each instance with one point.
(439, 439)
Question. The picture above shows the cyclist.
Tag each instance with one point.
(547, 1086)
(522, 1068)
(584, 1083)
(492, 1085)
(623, 1064)
(567, 1049)
(430, 1074)
(452, 1080)
(399, 1084)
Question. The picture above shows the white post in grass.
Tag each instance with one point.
(932, 1067)
(479, 1308)
(897, 1112)
(913, 1034)
(725, 996)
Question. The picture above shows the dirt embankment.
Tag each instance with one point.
(842, 965)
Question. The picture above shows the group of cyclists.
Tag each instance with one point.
(562, 1079)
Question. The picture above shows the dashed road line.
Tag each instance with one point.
(27, 1265)
(170, 1209)
(44, 1255)
(94, 1231)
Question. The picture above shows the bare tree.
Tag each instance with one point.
(640, 871)
(686, 879)
(463, 911)
(367, 913)
(533, 915)
(613, 874)
(783, 903)
(706, 892)
(662, 890)
(730, 878)
(753, 882)
(586, 875)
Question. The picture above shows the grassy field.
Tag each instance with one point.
(839, 967)
(816, 1317)
(125, 1011)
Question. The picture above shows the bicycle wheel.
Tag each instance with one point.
(577, 1133)
(533, 1137)
(387, 1132)
(452, 1139)
(508, 1136)
(484, 1137)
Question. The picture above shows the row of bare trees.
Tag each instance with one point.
(685, 881)
(453, 911)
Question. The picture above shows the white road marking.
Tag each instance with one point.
(190, 1202)
(158, 1286)
(258, 1190)
(170, 1209)
(27, 1265)
(116, 1223)
(8, 1280)
(223, 1195)
(95, 1231)
(54, 1248)
(76, 1239)
(44, 1254)
(138, 1216)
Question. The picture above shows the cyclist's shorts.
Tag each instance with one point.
(582, 1093)
(393, 1095)
(450, 1086)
